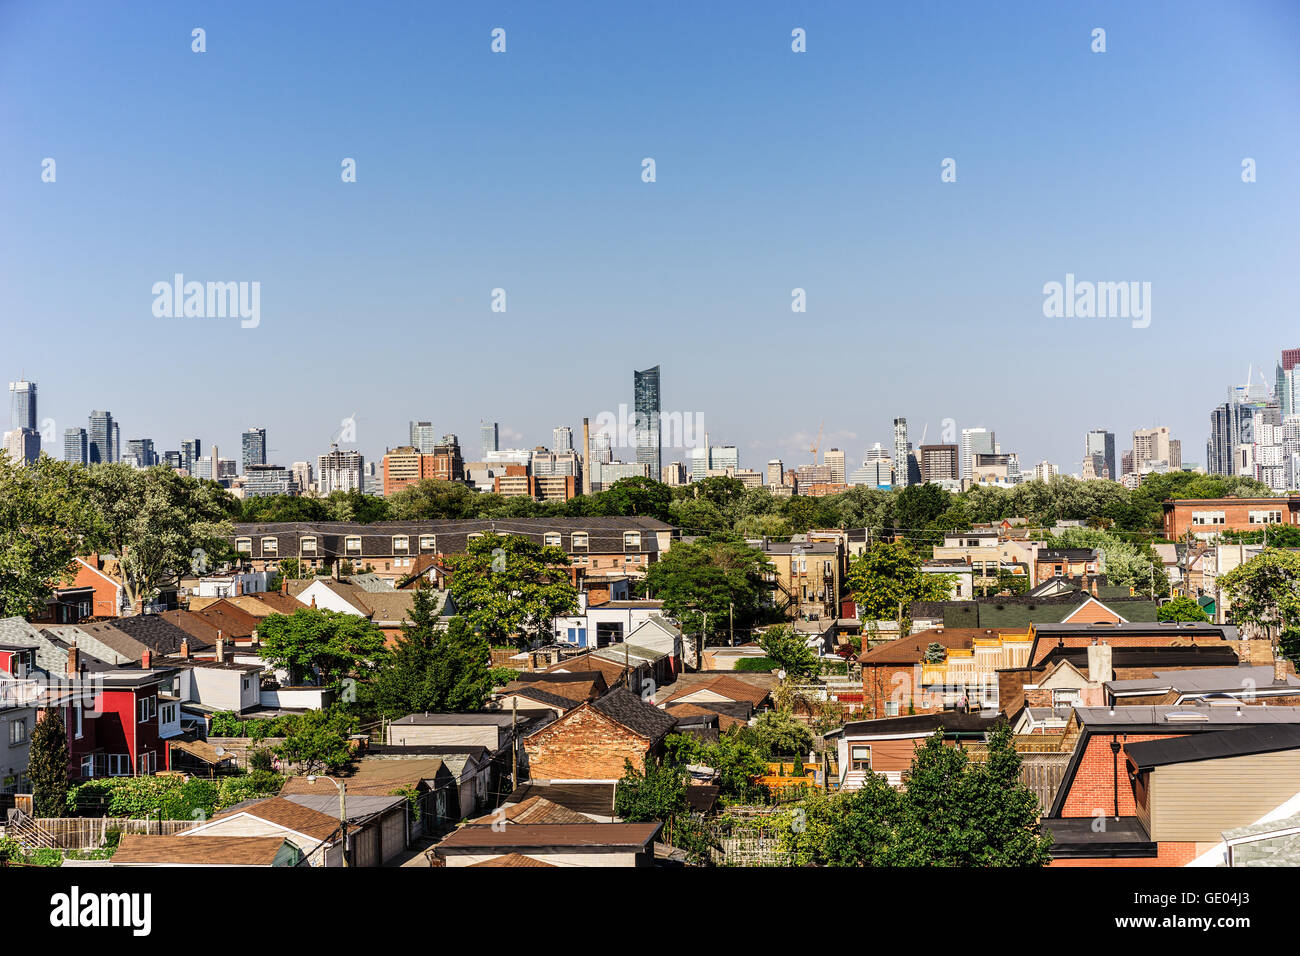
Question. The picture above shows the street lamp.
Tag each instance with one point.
(343, 807)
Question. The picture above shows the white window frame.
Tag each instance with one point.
(352, 544)
(146, 709)
(428, 542)
(309, 544)
(579, 541)
(244, 545)
(552, 539)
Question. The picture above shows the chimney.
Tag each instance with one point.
(1279, 669)
(1243, 652)
(239, 586)
(1099, 658)
(221, 648)
(586, 458)
(313, 600)
(185, 648)
(1094, 586)
(284, 585)
(74, 662)
(146, 659)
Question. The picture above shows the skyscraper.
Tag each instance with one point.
(423, 437)
(1288, 382)
(140, 451)
(491, 437)
(561, 439)
(835, 461)
(76, 447)
(1099, 445)
(254, 443)
(901, 448)
(975, 441)
(101, 438)
(22, 404)
(116, 441)
(646, 409)
(191, 452)
(939, 463)
(341, 471)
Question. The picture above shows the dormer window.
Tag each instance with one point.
(401, 542)
(428, 542)
(552, 539)
(244, 545)
(353, 543)
(579, 541)
(631, 540)
(270, 545)
(309, 545)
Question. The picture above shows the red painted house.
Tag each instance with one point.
(118, 719)
(93, 592)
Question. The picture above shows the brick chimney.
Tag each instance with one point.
(146, 659)
(1243, 652)
(1279, 669)
(313, 600)
(221, 648)
(1099, 663)
(239, 586)
(185, 648)
(284, 585)
(74, 662)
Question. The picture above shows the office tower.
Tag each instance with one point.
(586, 457)
(646, 409)
(372, 479)
(562, 439)
(776, 472)
(101, 438)
(1288, 383)
(76, 446)
(1151, 449)
(901, 449)
(835, 460)
(491, 437)
(423, 437)
(191, 452)
(601, 452)
(117, 440)
(1126, 463)
(23, 445)
(173, 460)
(874, 473)
(139, 451)
(674, 474)
(1175, 454)
(1099, 446)
(301, 471)
(543, 463)
(1045, 471)
(940, 463)
(264, 480)
(22, 405)
(254, 447)
(975, 441)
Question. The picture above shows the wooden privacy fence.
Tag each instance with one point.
(1040, 772)
(85, 833)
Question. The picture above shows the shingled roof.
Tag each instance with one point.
(626, 708)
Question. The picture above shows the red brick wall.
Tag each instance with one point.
(583, 745)
(1093, 787)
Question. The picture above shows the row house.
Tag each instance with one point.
(1050, 563)
(625, 546)
(806, 578)
(1208, 517)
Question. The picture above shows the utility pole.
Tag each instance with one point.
(514, 742)
(731, 623)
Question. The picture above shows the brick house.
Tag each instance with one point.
(595, 739)
(1206, 517)
(93, 591)
(1103, 782)
(897, 679)
(1052, 563)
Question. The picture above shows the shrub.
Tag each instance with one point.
(756, 665)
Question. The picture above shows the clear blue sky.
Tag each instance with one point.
(522, 171)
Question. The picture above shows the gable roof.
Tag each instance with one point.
(376, 776)
(626, 708)
(725, 686)
(233, 621)
(201, 631)
(588, 799)
(512, 859)
(912, 649)
(153, 631)
(539, 835)
(536, 809)
(287, 814)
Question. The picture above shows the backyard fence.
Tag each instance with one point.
(83, 833)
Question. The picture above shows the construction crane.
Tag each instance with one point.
(816, 446)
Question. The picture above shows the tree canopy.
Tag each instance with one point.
(509, 587)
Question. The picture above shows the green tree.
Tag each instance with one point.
(1264, 593)
(955, 813)
(719, 576)
(159, 523)
(509, 587)
(44, 523)
(318, 741)
(430, 499)
(637, 496)
(433, 667)
(780, 734)
(329, 644)
(47, 765)
(1181, 609)
(917, 506)
(885, 581)
(789, 650)
(861, 826)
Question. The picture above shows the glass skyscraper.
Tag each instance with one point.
(1100, 447)
(76, 446)
(491, 438)
(254, 447)
(22, 399)
(646, 409)
(101, 438)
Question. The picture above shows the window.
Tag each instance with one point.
(860, 757)
(270, 545)
(146, 708)
(1208, 517)
(17, 731)
(244, 544)
(891, 708)
(309, 545)
(246, 683)
(1064, 696)
(428, 542)
(631, 540)
(1266, 517)
(552, 539)
(119, 765)
(146, 762)
(579, 541)
(473, 535)
(401, 542)
(88, 766)
(78, 719)
(167, 714)
(353, 543)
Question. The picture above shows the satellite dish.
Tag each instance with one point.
(221, 751)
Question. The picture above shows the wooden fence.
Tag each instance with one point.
(1041, 772)
(88, 833)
